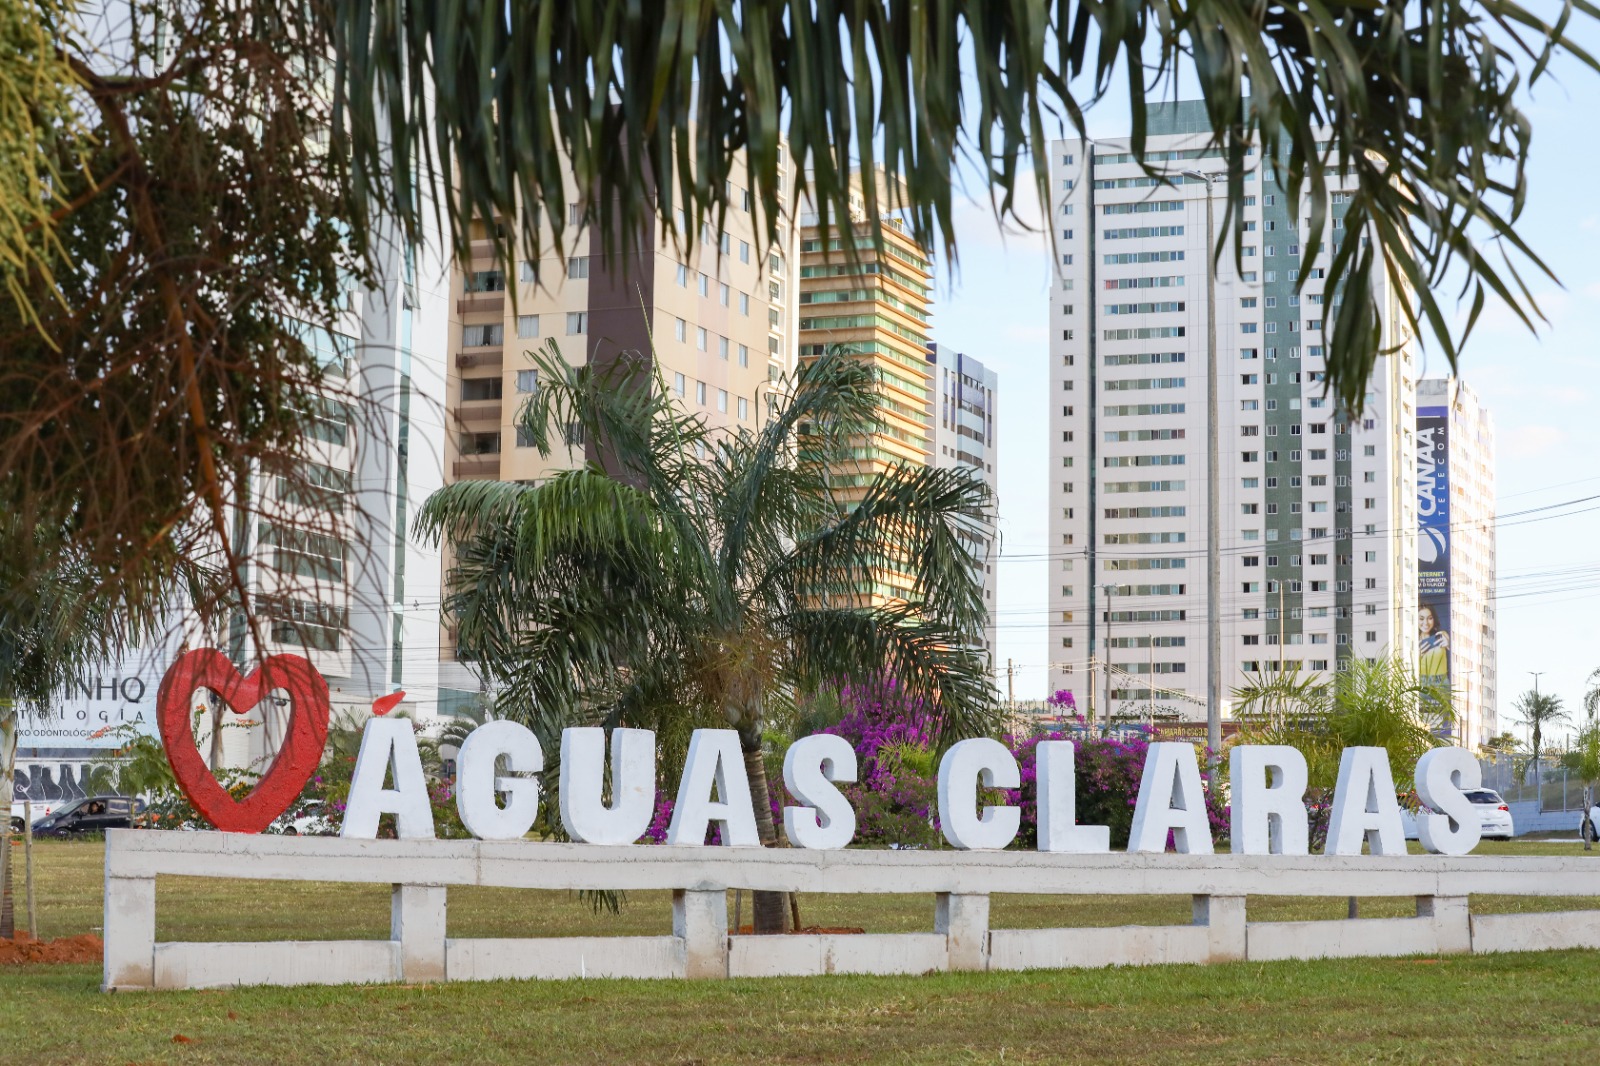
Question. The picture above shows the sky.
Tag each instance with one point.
(1542, 390)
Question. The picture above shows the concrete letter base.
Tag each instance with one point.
(557, 958)
(420, 872)
(1549, 931)
(806, 955)
(416, 923)
(700, 920)
(964, 920)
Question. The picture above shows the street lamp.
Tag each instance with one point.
(1213, 491)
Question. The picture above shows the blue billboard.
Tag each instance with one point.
(1433, 545)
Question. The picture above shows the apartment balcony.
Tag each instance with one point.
(482, 303)
(477, 466)
(481, 359)
(485, 412)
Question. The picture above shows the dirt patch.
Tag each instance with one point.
(749, 930)
(26, 951)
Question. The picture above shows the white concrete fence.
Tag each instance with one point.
(700, 946)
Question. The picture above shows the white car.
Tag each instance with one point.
(1493, 813)
(304, 819)
(41, 809)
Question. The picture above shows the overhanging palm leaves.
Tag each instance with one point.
(653, 105)
(710, 576)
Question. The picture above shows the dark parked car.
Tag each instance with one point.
(93, 814)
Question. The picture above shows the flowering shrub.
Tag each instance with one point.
(896, 791)
(1109, 770)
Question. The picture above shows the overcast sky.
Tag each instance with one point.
(1543, 391)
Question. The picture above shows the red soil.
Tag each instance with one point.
(748, 930)
(26, 951)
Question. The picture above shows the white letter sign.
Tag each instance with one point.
(385, 741)
(584, 814)
(476, 783)
(1170, 798)
(1443, 777)
(714, 760)
(1057, 782)
(1269, 811)
(810, 767)
(1364, 806)
(966, 765)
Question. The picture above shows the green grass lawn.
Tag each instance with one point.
(1514, 1008)
(1489, 1009)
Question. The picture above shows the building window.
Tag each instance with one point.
(744, 355)
(482, 336)
(683, 276)
(700, 393)
(680, 330)
(680, 384)
(577, 322)
(722, 348)
(723, 294)
(578, 267)
(744, 408)
(722, 400)
(744, 251)
(700, 338)
(744, 303)
(527, 381)
(527, 326)
(705, 285)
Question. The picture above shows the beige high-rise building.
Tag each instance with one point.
(875, 307)
(718, 325)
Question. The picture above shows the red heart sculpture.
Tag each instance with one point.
(297, 760)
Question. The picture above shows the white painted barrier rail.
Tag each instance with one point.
(421, 872)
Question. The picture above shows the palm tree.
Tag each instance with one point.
(689, 575)
(1379, 703)
(1537, 710)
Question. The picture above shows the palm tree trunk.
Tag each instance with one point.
(8, 763)
(769, 910)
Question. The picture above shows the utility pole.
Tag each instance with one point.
(1213, 490)
(1011, 692)
(1107, 590)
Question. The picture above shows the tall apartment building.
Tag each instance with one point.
(965, 401)
(1456, 552)
(877, 308)
(718, 325)
(1316, 507)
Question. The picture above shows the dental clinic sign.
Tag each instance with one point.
(1268, 813)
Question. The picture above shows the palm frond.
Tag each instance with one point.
(660, 111)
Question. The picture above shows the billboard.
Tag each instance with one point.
(59, 742)
(1433, 544)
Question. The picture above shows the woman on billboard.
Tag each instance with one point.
(1433, 649)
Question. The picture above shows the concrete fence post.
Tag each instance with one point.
(130, 933)
(1224, 919)
(417, 924)
(964, 920)
(700, 918)
(1452, 924)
